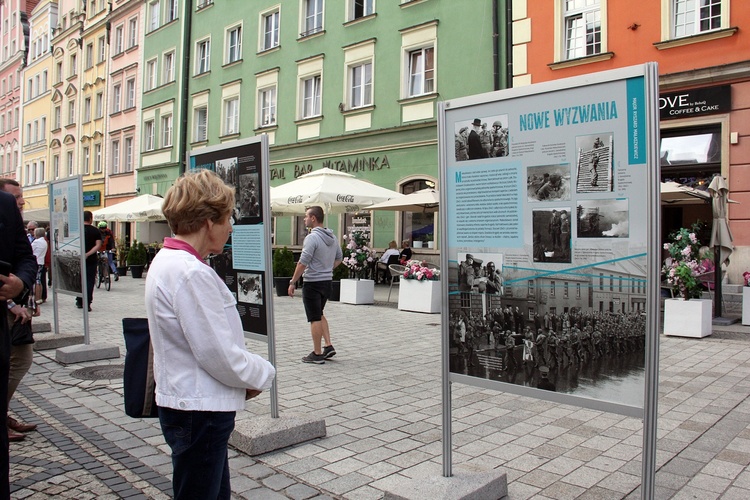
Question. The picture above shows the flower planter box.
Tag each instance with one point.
(746, 305)
(687, 318)
(357, 291)
(419, 296)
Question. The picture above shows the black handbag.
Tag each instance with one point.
(21, 333)
(139, 386)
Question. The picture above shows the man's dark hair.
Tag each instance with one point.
(317, 212)
(88, 216)
(10, 182)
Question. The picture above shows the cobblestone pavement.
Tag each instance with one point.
(381, 401)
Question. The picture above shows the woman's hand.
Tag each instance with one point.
(251, 393)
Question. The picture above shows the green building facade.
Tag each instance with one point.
(351, 85)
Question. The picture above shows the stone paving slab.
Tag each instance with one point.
(380, 398)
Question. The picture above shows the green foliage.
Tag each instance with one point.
(686, 261)
(283, 263)
(137, 255)
(340, 272)
(122, 252)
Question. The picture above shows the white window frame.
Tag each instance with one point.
(581, 25)
(87, 109)
(130, 93)
(102, 46)
(360, 90)
(115, 147)
(71, 112)
(203, 56)
(98, 158)
(200, 124)
(117, 98)
(166, 131)
(690, 22)
(129, 145)
(99, 105)
(267, 106)
(132, 32)
(150, 74)
(233, 44)
(148, 135)
(312, 17)
(56, 166)
(360, 8)
(71, 164)
(154, 15)
(311, 96)
(171, 10)
(231, 111)
(86, 160)
(89, 54)
(119, 39)
(417, 72)
(270, 29)
(168, 62)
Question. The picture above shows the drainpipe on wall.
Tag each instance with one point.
(509, 43)
(188, 29)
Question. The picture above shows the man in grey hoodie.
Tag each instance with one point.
(320, 254)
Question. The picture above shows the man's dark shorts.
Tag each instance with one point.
(315, 294)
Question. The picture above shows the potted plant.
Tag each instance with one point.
(340, 272)
(122, 254)
(137, 259)
(429, 240)
(283, 270)
(419, 290)
(357, 257)
(686, 315)
(746, 298)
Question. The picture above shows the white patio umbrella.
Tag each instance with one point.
(424, 200)
(143, 208)
(336, 192)
(673, 193)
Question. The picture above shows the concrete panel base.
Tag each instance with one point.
(490, 485)
(40, 326)
(263, 434)
(82, 352)
(46, 341)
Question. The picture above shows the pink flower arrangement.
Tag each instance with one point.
(746, 277)
(685, 263)
(415, 270)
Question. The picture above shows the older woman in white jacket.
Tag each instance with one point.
(202, 369)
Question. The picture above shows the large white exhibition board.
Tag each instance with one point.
(551, 201)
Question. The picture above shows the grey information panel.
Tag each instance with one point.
(550, 225)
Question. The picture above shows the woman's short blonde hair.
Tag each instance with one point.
(195, 198)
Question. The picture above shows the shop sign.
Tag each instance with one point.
(349, 165)
(695, 102)
(92, 198)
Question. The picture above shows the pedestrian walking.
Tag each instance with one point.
(92, 244)
(320, 254)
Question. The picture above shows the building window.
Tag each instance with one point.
(56, 166)
(611, 283)
(58, 72)
(421, 71)
(148, 135)
(115, 157)
(200, 134)
(119, 39)
(203, 57)
(234, 44)
(361, 8)
(73, 64)
(132, 32)
(313, 15)
(70, 163)
(551, 288)
(129, 154)
(116, 98)
(690, 17)
(601, 281)
(578, 290)
(361, 85)
(267, 99)
(131, 94)
(530, 289)
(57, 117)
(169, 67)
(311, 96)
(565, 289)
(89, 55)
(416, 225)
(232, 116)
(151, 74)
(86, 159)
(270, 30)
(87, 110)
(102, 50)
(166, 131)
(99, 105)
(583, 28)
(153, 15)
(97, 158)
(171, 10)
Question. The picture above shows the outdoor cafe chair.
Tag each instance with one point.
(396, 270)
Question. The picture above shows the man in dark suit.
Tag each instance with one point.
(476, 150)
(15, 249)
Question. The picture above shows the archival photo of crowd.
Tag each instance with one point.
(248, 199)
(226, 168)
(594, 161)
(602, 218)
(548, 183)
(482, 138)
(551, 235)
(579, 332)
(250, 288)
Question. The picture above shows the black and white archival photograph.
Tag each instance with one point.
(250, 288)
(594, 155)
(602, 218)
(479, 138)
(551, 228)
(548, 183)
(480, 273)
(227, 169)
(248, 201)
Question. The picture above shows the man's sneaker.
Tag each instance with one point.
(329, 351)
(318, 359)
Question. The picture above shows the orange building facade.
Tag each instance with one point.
(703, 51)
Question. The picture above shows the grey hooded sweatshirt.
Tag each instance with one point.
(319, 251)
